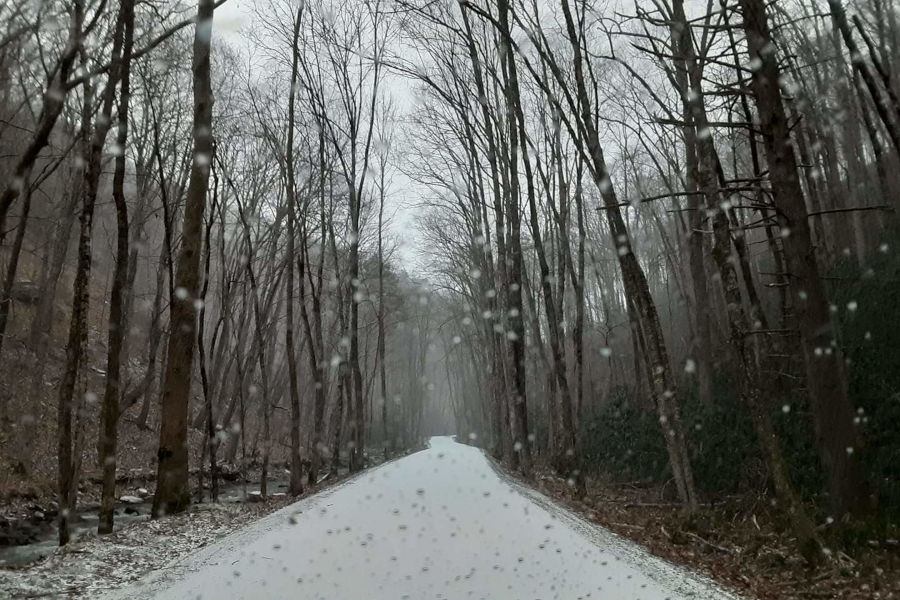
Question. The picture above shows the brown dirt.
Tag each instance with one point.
(737, 541)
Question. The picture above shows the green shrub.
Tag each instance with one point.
(868, 307)
(626, 443)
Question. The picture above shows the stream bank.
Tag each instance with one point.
(29, 532)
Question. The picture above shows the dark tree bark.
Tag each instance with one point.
(296, 483)
(825, 372)
(499, 369)
(173, 491)
(519, 400)
(212, 446)
(344, 384)
(355, 415)
(313, 330)
(109, 415)
(69, 456)
(635, 282)
(382, 316)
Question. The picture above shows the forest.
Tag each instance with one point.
(641, 252)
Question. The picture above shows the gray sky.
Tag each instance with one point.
(230, 23)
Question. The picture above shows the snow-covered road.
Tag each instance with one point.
(441, 523)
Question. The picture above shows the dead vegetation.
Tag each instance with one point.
(739, 541)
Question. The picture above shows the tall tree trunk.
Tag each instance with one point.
(825, 372)
(314, 331)
(564, 457)
(636, 286)
(706, 168)
(109, 415)
(74, 353)
(382, 329)
(296, 483)
(343, 388)
(702, 343)
(338, 420)
(173, 491)
(498, 342)
(519, 400)
(211, 445)
(578, 279)
(355, 414)
(69, 458)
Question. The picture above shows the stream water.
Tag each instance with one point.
(126, 513)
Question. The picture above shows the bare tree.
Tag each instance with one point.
(172, 493)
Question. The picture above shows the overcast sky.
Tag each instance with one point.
(230, 23)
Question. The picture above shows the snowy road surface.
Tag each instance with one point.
(441, 523)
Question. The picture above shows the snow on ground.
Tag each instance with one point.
(85, 568)
(442, 523)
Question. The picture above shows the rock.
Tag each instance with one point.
(130, 510)
(26, 292)
(254, 497)
(230, 476)
(143, 493)
(18, 533)
(131, 500)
